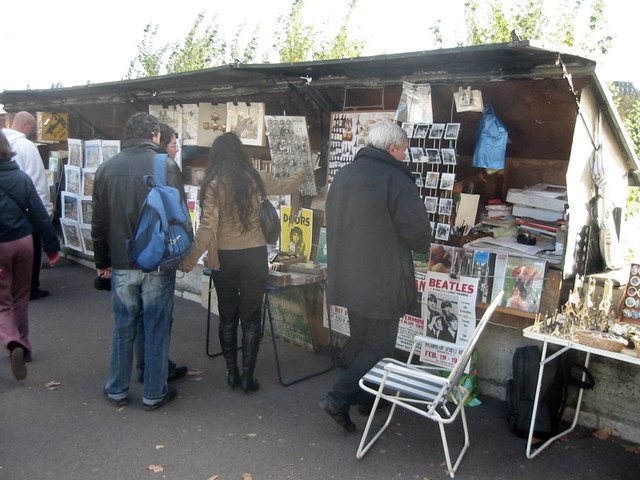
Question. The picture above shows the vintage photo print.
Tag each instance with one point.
(69, 206)
(421, 130)
(71, 234)
(437, 130)
(448, 156)
(408, 128)
(433, 155)
(432, 179)
(72, 179)
(431, 204)
(447, 180)
(417, 154)
(87, 241)
(445, 206)
(88, 175)
(442, 231)
(75, 152)
(92, 153)
(451, 131)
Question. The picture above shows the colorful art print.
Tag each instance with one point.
(449, 314)
(432, 179)
(247, 121)
(88, 176)
(523, 281)
(296, 236)
(631, 298)
(437, 130)
(75, 152)
(92, 153)
(417, 154)
(72, 179)
(442, 231)
(52, 127)
(87, 240)
(448, 156)
(408, 128)
(110, 148)
(69, 206)
(431, 204)
(483, 268)
(451, 131)
(445, 206)
(86, 210)
(447, 181)
(421, 130)
(71, 234)
(433, 155)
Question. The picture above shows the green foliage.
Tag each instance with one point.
(198, 50)
(148, 61)
(340, 46)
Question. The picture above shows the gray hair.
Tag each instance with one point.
(385, 133)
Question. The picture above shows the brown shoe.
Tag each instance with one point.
(18, 366)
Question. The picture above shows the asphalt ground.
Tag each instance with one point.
(56, 424)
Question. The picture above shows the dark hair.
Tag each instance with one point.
(166, 131)
(141, 125)
(297, 230)
(230, 167)
(446, 304)
(6, 154)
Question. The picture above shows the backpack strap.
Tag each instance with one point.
(160, 169)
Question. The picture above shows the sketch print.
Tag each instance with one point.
(75, 152)
(71, 234)
(442, 231)
(447, 181)
(72, 176)
(437, 129)
(448, 156)
(451, 131)
(432, 179)
(247, 121)
(92, 153)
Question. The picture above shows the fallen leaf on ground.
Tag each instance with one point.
(194, 372)
(603, 433)
(213, 477)
(159, 446)
(156, 468)
(632, 448)
(52, 385)
(259, 417)
(247, 476)
(251, 434)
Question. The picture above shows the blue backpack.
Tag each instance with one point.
(164, 234)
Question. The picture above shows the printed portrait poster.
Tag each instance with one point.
(296, 237)
(412, 323)
(449, 317)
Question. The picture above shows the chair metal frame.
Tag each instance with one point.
(418, 390)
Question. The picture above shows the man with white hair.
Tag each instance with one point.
(29, 160)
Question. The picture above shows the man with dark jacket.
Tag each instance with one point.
(375, 218)
(118, 195)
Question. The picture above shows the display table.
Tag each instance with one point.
(268, 317)
(624, 356)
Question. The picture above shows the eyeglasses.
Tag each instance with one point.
(174, 145)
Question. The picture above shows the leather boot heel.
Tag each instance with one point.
(233, 377)
(249, 384)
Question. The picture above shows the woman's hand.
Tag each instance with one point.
(53, 258)
(188, 267)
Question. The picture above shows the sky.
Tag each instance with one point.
(73, 42)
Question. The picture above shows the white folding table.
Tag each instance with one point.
(627, 355)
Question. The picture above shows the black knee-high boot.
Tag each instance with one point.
(229, 342)
(250, 346)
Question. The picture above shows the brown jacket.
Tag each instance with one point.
(221, 229)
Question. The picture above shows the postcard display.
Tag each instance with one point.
(76, 198)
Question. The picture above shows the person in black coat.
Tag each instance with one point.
(375, 219)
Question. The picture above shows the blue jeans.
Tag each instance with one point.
(150, 295)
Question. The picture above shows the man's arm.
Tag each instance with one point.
(30, 162)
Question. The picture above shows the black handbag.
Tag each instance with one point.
(269, 220)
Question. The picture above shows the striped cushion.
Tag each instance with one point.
(409, 385)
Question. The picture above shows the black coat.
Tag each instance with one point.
(375, 218)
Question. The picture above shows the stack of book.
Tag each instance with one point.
(498, 215)
(541, 202)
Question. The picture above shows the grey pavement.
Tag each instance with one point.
(68, 431)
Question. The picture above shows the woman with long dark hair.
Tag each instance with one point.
(231, 233)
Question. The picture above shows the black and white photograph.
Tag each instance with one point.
(448, 156)
(445, 205)
(437, 129)
(417, 177)
(447, 180)
(442, 231)
(408, 127)
(431, 204)
(432, 179)
(417, 154)
(451, 131)
(433, 155)
(421, 130)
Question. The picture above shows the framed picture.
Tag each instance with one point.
(433, 155)
(247, 121)
(71, 234)
(408, 127)
(442, 231)
(431, 204)
(445, 205)
(447, 180)
(448, 156)
(432, 179)
(451, 131)
(437, 130)
(75, 152)
(88, 175)
(72, 179)
(416, 154)
(421, 130)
